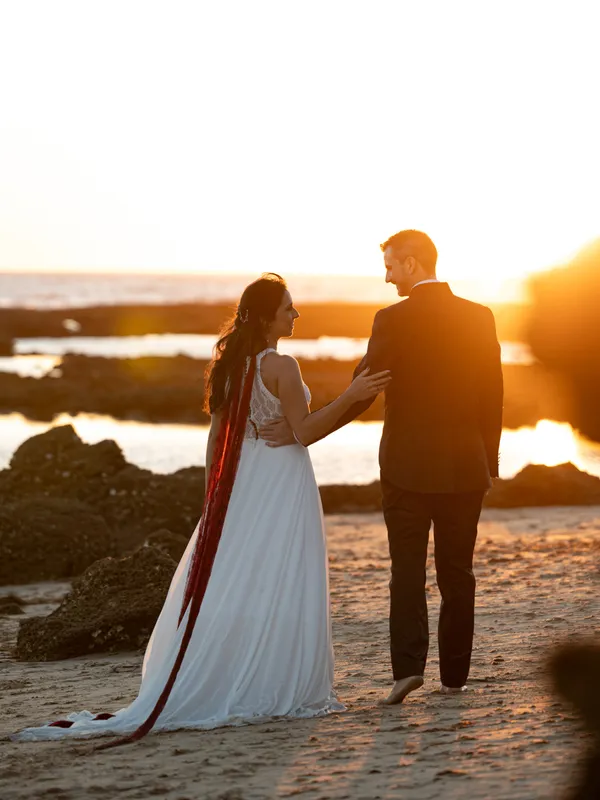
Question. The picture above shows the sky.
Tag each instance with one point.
(296, 136)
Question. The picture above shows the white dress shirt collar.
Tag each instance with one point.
(429, 280)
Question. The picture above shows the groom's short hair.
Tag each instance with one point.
(416, 244)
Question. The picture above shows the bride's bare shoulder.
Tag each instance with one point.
(277, 366)
(278, 362)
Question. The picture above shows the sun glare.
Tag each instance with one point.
(549, 443)
(235, 153)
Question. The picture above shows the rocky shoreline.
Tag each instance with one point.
(64, 504)
(316, 319)
(70, 510)
(171, 390)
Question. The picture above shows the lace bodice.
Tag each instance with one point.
(264, 406)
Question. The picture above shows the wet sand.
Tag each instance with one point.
(507, 737)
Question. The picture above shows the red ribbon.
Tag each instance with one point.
(65, 723)
(222, 474)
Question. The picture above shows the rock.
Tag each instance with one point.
(153, 389)
(45, 447)
(71, 325)
(6, 346)
(574, 669)
(59, 449)
(65, 503)
(50, 538)
(10, 599)
(169, 389)
(10, 605)
(170, 543)
(538, 485)
(112, 607)
(535, 485)
(143, 503)
(134, 502)
(10, 609)
(344, 499)
(318, 319)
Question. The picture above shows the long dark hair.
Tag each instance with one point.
(243, 336)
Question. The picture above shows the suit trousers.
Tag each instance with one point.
(408, 517)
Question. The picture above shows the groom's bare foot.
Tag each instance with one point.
(401, 689)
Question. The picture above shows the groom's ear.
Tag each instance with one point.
(412, 264)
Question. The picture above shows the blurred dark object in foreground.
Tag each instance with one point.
(575, 670)
(564, 332)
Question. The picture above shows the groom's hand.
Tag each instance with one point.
(277, 433)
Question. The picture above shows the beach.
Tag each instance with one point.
(188, 186)
(506, 737)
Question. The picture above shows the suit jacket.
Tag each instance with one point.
(443, 408)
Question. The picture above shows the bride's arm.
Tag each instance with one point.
(215, 423)
(378, 357)
(308, 427)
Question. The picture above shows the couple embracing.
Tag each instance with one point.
(245, 632)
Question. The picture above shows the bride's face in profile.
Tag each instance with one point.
(286, 315)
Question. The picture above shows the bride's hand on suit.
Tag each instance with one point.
(279, 433)
(365, 385)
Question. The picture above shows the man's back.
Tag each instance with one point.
(444, 406)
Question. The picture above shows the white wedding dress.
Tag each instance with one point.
(261, 647)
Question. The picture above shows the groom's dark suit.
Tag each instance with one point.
(439, 449)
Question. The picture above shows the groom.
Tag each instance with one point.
(438, 453)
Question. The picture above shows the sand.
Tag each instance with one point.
(507, 737)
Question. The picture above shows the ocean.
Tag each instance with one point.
(349, 456)
(70, 290)
(31, 355)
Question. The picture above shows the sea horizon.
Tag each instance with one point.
(67, 289)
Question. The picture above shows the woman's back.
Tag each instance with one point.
(265, 404)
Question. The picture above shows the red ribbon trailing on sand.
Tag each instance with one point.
(223, 470)
(65, 723)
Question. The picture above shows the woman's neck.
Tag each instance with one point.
(272, 342)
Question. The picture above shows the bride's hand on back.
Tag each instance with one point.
(365, 385)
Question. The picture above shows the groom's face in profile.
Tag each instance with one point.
(399, 270)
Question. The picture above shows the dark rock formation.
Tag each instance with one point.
(112, 607)
(575, 669)
(316, 319)
(47, 452)
(65, 503)
(10, 605)
(153, 389)
(10, 609)
(50, 538)
(170, 543)
(537, 485)
(6, 345)
(172, 390)
(347, 499)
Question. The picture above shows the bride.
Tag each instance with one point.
(245, 633)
